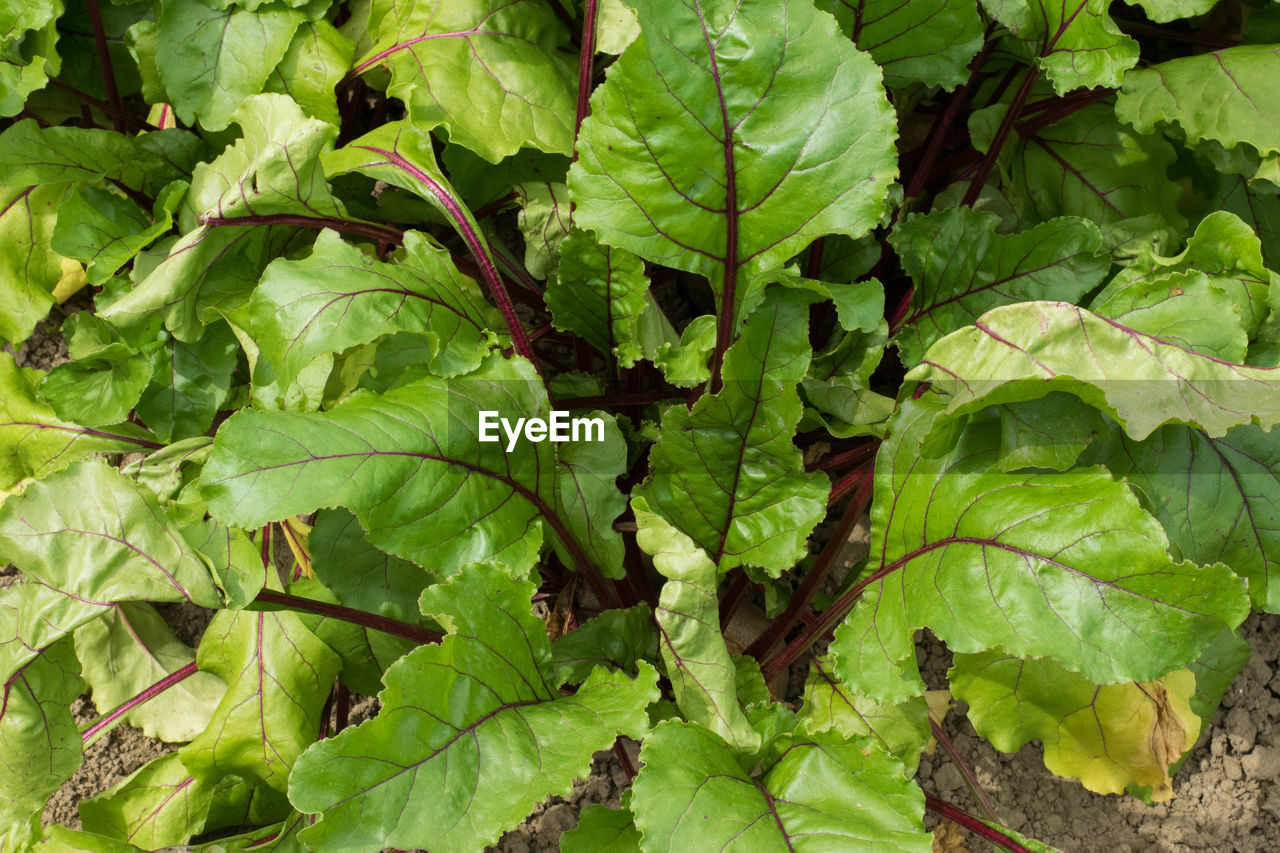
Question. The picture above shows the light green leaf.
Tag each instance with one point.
(1025, 351)
(163, 471)
(544, 220)
(106, 230)
(930, 42)
(487, 70)
(97, 391)
(713, 146)
(39, 743)
(28, 55)
(616, 26)
(1183, 309)
(477, 709)
(159, 805)
(1066, 565)
(685, 364)
(962, 268)
(811, 794)
(1050, 432)
(278, 674)
(30, 154)
(189, 382)
(1257, 203)
(131, 648)
(725, 472)
(1164, 11)
(317, 59)
(600, 294)
(703, 676)
(212, 59)
(340, 297)
(28, 269)
(1075, 42)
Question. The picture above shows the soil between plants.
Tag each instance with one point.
(1226, 796)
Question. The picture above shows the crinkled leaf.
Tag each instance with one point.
(1227, 97)
(1107, 736)
(685, 364)
(930, 42)
(616, 639)
(211, 59)
(340, 297)
(600, 294)
(272, 169)
(1025, 351)
(164, 471)
(131, 648)
(703, 676)
(159, 805)
(475, 716)
(360, 575)
(1066, 565)
(189, 382)
(962, 268)
(39, 742)
(1182, 309)
(1075, 42)
(27, 51)
(278, 674)
(30, 154)
(601, 829)
(28, 269)
(814, 793)
(587, 497)
(485, 69)
(901, 730)
(34, 442)
(726, 472)
(317, 59)
(544, 221)
(713, 145)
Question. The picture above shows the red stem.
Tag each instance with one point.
(586, 64)
(972, 823)
(104, 60)
(733, 597)
(364, 229)
(1002, 134)
(386, 625)
(942, 127)
(988, 807)
(151, 692)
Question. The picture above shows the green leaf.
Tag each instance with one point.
(212, 59)
(278, 674)
(340, 297)
(1227, 97)
(1050, 432)
(30, 154)
(111, 542)
(601, 829)
(685, 364)
(272, 169)
(39, 743)
(929, 42)
(1185, 310)
(616, 639)
(189, 383)
(317, 59)
(703, 676)
(159, 805)
(1025, 351)
(97, 391)
(1075, 42)
(818, 793)
(360, 575)
(131, 648)
(962, 268)
(1164, 11)
(1258, 204)
(713, 146)
(476, 711)
(34, 442)
(106, 230)
(1066, 565)
(900, 730)
(725, 472)
(27, 51)
(28, 269)
(544, 221)
(1108, 736)
(486, 70)
(600, 294)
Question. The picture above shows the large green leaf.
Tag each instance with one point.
(1227, 97)
(485, 69)
(28, 269)
(1025, 351)
(703, 676)
(962, 268)
(725, 472)
(930, 41)
(410, 465)
(105, 230)
(728, 136)
(812, 793)
(211, 58)
(475, 716)
(39, 743)
(1186, 310)
(159, 805)
(278, 674)
(1065, 565)
(127, 651)
(600, 294)
(340, 297)
(30, 154)
(1075, 42)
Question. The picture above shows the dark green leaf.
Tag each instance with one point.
(930, 41)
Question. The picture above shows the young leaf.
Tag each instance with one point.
(106, 230)
(1066, 565)
(616, 639)
(706, 155)
(487, 70)
(159, 805)
(601, 829)
(600, 294)
(317, 59)
(1107, 736)
(813, 793)
(545, 222)
(929, 41)
(278, 674)
(97, 391)
(703, 677)
(127, 651)
(477, 712)
(1024, 351)
(1075, 41)
(726, 473)
(962, 268)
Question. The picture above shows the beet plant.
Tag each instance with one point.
(532, 364)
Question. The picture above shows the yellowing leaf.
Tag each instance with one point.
(72, 281)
